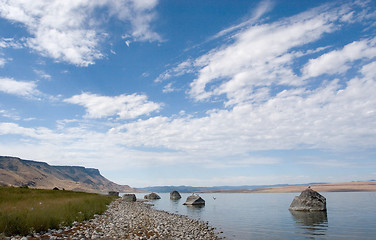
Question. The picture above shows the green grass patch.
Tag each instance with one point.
(23, 211)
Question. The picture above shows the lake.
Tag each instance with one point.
(350, 215)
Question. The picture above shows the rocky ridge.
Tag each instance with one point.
(18, 172)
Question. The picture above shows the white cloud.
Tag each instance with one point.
(9, 114)
(168, 88)
(369, 70)
(332, 116)
(20, 88)
(181, 69)
(339, 61)
(258, 57)
(13, 128)
(2, 62)
(10, 43)
(263, 7)
(124, 106)
(42, 74)
(68, 30)
(241, 162)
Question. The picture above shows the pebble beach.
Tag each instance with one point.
(132, 220)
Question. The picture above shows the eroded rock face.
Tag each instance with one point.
(129, 197)
(194, 200)
(309, 200)
(152, 196)
(175, 195)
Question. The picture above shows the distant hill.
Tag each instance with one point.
(359, 186)
(17, 172)
(355, 186)
(189, 189)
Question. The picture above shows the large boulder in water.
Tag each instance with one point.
(129, 198)
(309, 200)
(152, 196)
(194, 200)
(175, 195)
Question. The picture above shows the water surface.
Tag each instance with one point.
(350, 215)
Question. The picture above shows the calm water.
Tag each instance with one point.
(266, 215)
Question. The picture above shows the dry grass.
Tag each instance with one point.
(23, 210)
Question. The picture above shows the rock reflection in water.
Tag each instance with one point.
(195, 211)
(313, 223)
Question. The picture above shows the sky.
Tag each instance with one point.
(199, 93)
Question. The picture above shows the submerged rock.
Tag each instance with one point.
(129, 198)
(152, 196)
(194, 200)
(309, 200)
(175, 195)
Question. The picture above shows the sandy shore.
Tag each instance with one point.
(133, 220)
(368, 186)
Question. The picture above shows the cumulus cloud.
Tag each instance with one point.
(339, 61)
(332, 116)
(369, 70)
(123, 106)
(67, 31)
(19, 88)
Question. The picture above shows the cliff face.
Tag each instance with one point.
(17, 172)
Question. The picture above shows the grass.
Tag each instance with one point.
(23, 210)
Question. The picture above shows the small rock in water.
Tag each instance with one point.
(175, 195)
(194, 200)
(152, 196)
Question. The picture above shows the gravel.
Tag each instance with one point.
(132, 220)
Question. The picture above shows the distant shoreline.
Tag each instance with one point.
(366, 186)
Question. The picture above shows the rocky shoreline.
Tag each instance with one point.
(132, 220)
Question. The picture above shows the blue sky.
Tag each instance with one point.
(198, 93)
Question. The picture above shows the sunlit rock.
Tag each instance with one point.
(194, 200)
(175, 195)
(308, 200)
(152, 196)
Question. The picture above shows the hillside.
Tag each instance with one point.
(17, 172)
